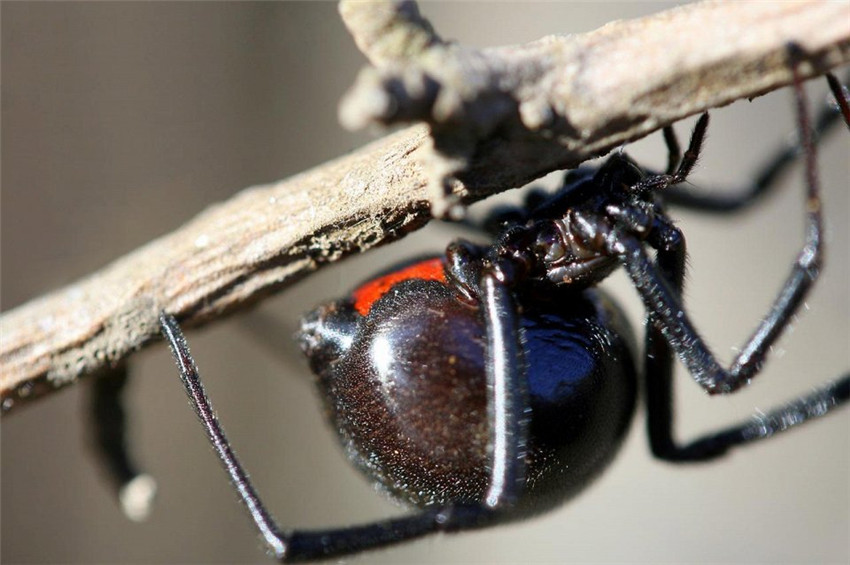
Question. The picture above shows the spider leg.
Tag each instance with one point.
(658, 371)
(817, 403)
(108, 427)
(663, 301)
(768, 175)
(666, 311)
(842, 97)
(674, 152)
(507, 404)
(656, 183)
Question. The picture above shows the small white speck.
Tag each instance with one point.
(46, 323)
(202, 241)
(137, 498)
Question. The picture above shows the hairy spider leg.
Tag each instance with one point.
(670, 260)
(663, 301)
(768, 175)
(674, 151)
(658, 381)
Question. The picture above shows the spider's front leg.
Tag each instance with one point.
(659, 284)
(664, 304)
(767, 177)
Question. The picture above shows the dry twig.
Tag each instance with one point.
(499, 117)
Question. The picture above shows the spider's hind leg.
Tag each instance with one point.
(658, 383)
(507, 402)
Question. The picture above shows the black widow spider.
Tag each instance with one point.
(496, 381)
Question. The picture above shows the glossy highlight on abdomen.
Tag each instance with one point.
(409, 394)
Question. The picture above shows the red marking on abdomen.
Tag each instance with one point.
(369, 293)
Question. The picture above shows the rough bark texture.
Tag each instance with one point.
(552, 103)
(499, 118)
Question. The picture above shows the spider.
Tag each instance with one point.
(496, 381)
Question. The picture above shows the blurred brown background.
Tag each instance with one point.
(123, 120)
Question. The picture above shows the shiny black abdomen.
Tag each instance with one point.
(405, 388)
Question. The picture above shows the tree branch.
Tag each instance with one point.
(552, 103)
(499, 118)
